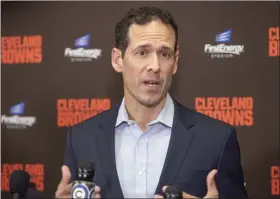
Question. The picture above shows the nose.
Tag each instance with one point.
(154, 64)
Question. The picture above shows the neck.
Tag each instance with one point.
(140, 113)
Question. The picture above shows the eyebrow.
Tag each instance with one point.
(149, 46)
(167, 48)
(143, 46)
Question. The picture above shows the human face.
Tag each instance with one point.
(149, 62)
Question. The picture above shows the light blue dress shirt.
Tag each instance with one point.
(140, 155)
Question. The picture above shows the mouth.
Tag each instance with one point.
(152, 83)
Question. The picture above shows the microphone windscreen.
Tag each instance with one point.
(85, 171)
(19, 182)
(173, 192)
(172, 189)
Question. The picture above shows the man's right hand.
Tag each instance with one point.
(64, 187)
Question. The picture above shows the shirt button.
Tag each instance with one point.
(141, 173)
(143, 140)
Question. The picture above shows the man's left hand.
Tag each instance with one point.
(212, 191)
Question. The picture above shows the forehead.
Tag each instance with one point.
(155, 33)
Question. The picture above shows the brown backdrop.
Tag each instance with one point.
(36, 71)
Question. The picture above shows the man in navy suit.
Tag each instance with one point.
(150, 140)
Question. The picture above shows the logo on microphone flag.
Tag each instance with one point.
(80, 191)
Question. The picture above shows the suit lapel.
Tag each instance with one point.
(106, 151)
(180, 141)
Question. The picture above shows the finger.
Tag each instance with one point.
(186, 195)
(63, 191)
(65, 187)
(57, 193)
(97, 189)
(68, 188)
(164, 189)
(158, 196)
(60, 194)
(211, 185)
(66, 175)
(65, 196)
(97, 195)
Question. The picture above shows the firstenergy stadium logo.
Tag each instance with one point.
(75, 110)
(237, 111)
(21, 49)
(81, 52)
(222, 49)
(17, 120)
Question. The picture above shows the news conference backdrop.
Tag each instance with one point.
(56, 72)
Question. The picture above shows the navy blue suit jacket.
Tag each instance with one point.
(198, 144)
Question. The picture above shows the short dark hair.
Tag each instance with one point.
(142, 16)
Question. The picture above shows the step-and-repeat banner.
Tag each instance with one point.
(56, 71)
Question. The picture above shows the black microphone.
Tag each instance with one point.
(19, 183)
(22, 188)
(83, 185)
(172, 192)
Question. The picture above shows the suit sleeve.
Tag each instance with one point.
(230, 179)
(69, 159)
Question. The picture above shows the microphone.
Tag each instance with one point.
(22, 188)
(83, 186)
(19, 183)
(172, 192)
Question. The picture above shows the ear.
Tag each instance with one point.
(176, 60)
(117, 61)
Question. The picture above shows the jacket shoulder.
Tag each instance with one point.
(203, 121)
(96, 120)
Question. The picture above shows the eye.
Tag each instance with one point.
(142, 53)
(166, 55)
